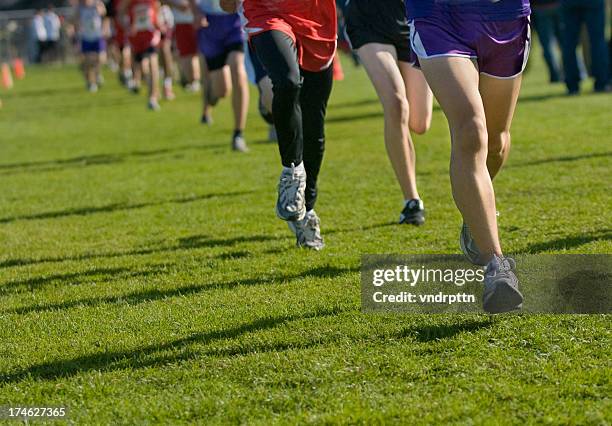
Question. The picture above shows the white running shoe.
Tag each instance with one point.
(153, 105)
(290, 205)
(308, 231)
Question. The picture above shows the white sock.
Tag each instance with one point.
(299, 167)
(168, 82)
(420, 202)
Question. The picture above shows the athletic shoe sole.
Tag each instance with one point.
(504, 298)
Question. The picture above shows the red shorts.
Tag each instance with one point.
(313, 54)
(186, 39)
(144, 40)
(119, 38)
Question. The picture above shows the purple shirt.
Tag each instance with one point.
(480, 10)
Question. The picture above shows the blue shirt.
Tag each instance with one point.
(481, 10)
(210, 7)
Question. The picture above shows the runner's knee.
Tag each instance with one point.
(419, 124)
(499, 142)
(470, 138)
(396, 108)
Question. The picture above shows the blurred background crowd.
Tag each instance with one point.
(574, 36)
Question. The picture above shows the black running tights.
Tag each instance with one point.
(299, 106)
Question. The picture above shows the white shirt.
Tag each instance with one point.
(182, 16)
(52, 26)
(38, 24)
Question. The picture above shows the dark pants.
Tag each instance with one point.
(592, 13)
(299, 105)
(547, 24)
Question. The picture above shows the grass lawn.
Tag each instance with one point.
(144, 277)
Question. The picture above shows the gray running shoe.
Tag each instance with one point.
(308, 231)
(291, 193)
(239, 144)
(501, 292)
(469, 247)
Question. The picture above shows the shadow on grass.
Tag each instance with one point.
(542, 97)
(187, 243)
(569, 242)
(354, 117)
(352, 104)
(109, 208)
(563, 159)
(429, 333)
(151, 295)
(32, 93)
(97, 159)
(158, 355)
(94, 275)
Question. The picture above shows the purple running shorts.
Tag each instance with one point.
(500, 49)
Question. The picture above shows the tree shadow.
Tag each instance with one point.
(96, 159)
(153, 355)
(569, 242)
(563, 159)
(432, 332)
(151, 295)
(109, 208)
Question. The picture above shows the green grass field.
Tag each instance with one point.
(145, 279)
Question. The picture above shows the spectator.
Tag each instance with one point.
(546, 15)
(40, 34)
(593, 14)
(53, 27)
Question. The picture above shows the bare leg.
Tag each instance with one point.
(380, 62)
(195, 66)
(217, 84)
(240, 98)
(186, 65)
(419, 97)
(168, 67)
(154, 77)
(90, 66)
(455, 82)
(499, 98)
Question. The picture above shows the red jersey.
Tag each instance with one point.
(314, 19)
(143, 16)
(144, 32)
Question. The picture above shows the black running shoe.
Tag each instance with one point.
(413, 213)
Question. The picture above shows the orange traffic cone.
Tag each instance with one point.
(338, 71)
(7, 78)
(19, 69)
